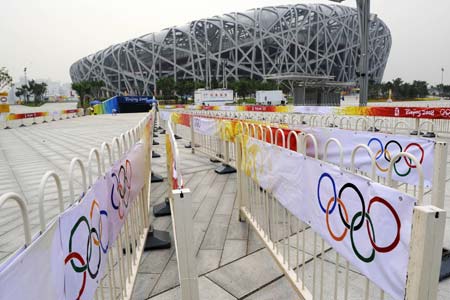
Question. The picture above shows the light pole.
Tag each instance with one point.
(442, 82)
(26, 83)
(363, 16)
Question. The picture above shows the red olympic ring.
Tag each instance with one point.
(421, 158)
(397, 220)
(342, 236)
(77, 256)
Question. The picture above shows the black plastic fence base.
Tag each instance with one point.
(371, 129)
(155, 155)
(7, 127)
(44, 121)
(34, 123)
(155, 135)
(162, 131)
(225, 169)
(157, 178)
(157, 239)
(445, 265)
(22, 125)
(414, 132)
(429, 135)
(177, 137)
(155, 143)
(162, 209)
(188, 145)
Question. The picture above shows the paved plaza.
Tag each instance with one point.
(231, 260)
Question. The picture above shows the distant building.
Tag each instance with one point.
(312, 39)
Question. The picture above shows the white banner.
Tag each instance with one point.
(205, 126)
(69, 259)
(85, 240)
(366, 222)
(314, 110)
(384, 146)
(164, 114)
(33, 274)
(125, 181)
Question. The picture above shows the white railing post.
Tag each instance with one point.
(425, 253)
(192, 135)
(181, 207)
(439, 174)
(240, 190)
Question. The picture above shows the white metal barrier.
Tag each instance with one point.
(124, 255)
(220, 149)
(297, 248)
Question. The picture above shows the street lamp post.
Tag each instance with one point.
(26, 83)
(363, 16)
(442, 82)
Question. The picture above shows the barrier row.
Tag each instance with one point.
(319, 223)
(288, 194)
(17, 120)
(409, 119)
(214, 137)
(93, 247)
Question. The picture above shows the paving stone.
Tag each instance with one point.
(208, 260)
(143, 285)
(208, 290)
(233, 250)
(246, 275)
(280, 289)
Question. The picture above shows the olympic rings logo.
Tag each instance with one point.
(123, 186)
(357, 221)
(94, 236)
(387, 153)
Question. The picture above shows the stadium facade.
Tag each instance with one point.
(314, 39)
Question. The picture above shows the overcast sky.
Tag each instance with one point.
(47, 36)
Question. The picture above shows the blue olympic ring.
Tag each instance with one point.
(334, 191)
(381, 146)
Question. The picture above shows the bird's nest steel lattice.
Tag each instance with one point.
(303, 39)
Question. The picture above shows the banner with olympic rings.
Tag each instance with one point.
(367, 223)
(384, 147)
(205, 126)
(32, 273)
(85, 240)
(124, 182)
(69, 258)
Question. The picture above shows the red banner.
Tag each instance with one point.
(27, 115)
(70, 111)
(411, 112)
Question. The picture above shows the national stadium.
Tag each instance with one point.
(303, 39)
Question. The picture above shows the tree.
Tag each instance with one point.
(96, 88)
(5, 78)
(167, 86)
(83, 89)
(37, 89)
(24, 91)
(86, 88)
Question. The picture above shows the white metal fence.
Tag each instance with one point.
(124, 254)
(305, 258)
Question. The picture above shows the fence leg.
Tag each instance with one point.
(425, 253)
(225, 168)
(240, 187)
(417, 127)
(439, 174)
(192, 136)
(182, 225)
